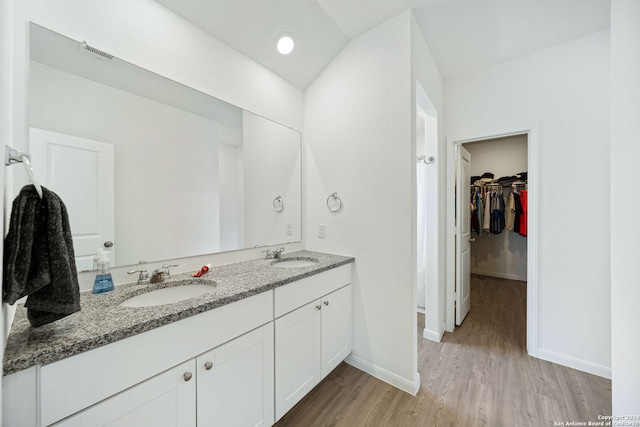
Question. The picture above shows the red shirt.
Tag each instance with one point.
(523, 216)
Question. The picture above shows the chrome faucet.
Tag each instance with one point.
(159, 274)
(143, 274)
(165, 269)
(273, 253)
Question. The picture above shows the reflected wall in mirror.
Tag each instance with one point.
(158, 168)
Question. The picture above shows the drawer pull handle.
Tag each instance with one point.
(326, 303)
(208, 365)
(318, 307)
(187, 376)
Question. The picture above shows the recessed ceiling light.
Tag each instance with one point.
(285, 44)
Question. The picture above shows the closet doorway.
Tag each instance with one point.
(499, 247)
(494, 251)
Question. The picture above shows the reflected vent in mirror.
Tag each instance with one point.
(87, 50)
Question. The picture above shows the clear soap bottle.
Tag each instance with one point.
(103, 282)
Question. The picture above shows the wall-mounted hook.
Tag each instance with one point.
(428, 161)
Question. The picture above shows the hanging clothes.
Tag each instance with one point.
(479, 211)
(495, 212)
(518, 213)
(474, 214)
(523, 216)
(510, 212)
(486, 225)
(497, 217)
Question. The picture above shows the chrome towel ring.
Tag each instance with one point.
(334, 203)
(278, 204)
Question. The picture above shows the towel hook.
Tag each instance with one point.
(336, 206)
(278, 204)
(426, 160)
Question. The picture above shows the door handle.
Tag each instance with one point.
(471, 240)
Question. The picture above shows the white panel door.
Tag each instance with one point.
(298, 364)
(235, 381)
(463, 234)
(166, 400)
(336, 328)
(80, 171)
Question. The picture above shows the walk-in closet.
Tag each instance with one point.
(498, 204)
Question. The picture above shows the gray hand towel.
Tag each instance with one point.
(39, 260)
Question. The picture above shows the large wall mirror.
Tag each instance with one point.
(160, 169)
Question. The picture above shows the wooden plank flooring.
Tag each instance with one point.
(480, 375)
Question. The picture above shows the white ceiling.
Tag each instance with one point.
(463, 34)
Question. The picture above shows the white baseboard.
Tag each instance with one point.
(499, 275)
(575, 363)
(403, 384)
(432, 335)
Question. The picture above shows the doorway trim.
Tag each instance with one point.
(532, 131)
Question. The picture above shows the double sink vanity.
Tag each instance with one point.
(255, 338)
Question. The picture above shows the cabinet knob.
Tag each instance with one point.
(187, 376)
(208, 365)
(326, 303)
(318, 307)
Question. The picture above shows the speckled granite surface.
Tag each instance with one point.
(102, 321)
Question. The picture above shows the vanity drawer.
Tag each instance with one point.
(72, 384)
(296, 294)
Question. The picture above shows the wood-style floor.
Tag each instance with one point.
(479, 375)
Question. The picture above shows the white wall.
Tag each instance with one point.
(505, 254)
(360, 142)
(427, 89)
(625, 249)
(358, 133)
(566, 90)
(6, 136)
(272, 160)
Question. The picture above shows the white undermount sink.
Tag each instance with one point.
(167, 295)
(294, 262)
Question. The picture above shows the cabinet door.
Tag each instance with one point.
(298, 367)
(336, 328)
(166, 400)
(235, 381)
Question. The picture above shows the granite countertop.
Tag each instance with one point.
(101, 320)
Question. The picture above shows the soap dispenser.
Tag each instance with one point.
(103, 282)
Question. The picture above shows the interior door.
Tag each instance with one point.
(463, 234)
(80, 171)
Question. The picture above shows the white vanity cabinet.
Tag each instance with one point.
(311, 338)
(298, 346)
(245, 363)
(44, 395)
(336, 328)
(166, 400)
(235, 382)
(231, 385)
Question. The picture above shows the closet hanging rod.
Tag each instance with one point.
(13, 156)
